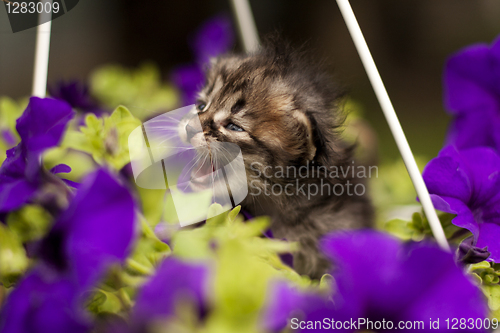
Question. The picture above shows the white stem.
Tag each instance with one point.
(246, 24)
(393, 121)
(42, 53)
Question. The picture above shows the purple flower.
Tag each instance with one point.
(289, 302)
(40, 127)
(95, 231)
(467, 253)
(215, 37)
(44, 302)
(379, 278)
(42, 124)
(189, 79)
(467, 183)
(77, 95)
(173, 282)
(472, 96)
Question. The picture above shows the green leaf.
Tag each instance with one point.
(218, 213)
(236, 270)
(106, 139)
(393, 186)
(29, 223)
(103, 301)
(13, 260)
(492, 292)
(476, 278)
(96, 300)
(184, 206)
(491, 279)
(399, 228)
(140, 89)
(192, 243)
(419, 227)
(242, 257)
(480, 265)
(257, 227)
(148, 253)
(232, 214)
(10, 110)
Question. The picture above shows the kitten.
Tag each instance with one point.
(283, 113)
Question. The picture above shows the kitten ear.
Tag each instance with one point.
(308, 134)
(330, 148)
(319, 140)
(212, 61)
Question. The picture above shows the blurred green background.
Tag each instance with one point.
(410, 41)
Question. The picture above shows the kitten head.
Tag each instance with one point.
(277, 107)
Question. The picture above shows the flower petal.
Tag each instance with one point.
(475, 129)
(484, 171)
(174, 281)
(76, 94)
(15, 194)
(464, 219)
(41, 303)
(43, 123)
(286, 302)
(372, 255)
(95, 231)
(468, 253)
(102, 225)
(397, 282)
(445, 176)
(442, 289)
(61, 168)
(214, 38)
(470, 79)
(489, 235)
(189, 79)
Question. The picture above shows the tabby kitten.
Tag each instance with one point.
(284, 114)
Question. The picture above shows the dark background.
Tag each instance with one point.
(410, 41)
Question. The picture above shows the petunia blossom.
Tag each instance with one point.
(214, 37)
(378, 278)
(467, 183)
(189, 79)
(467, 253)
(472, 96)
(44, 302)
(97, 229)
(40, 127)
(76, 94)
(175, 281)
(94, 232)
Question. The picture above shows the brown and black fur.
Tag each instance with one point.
(290, 112)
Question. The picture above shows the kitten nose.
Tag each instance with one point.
(191, 131)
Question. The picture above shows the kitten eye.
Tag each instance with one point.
(233, 127)
(201, 106)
